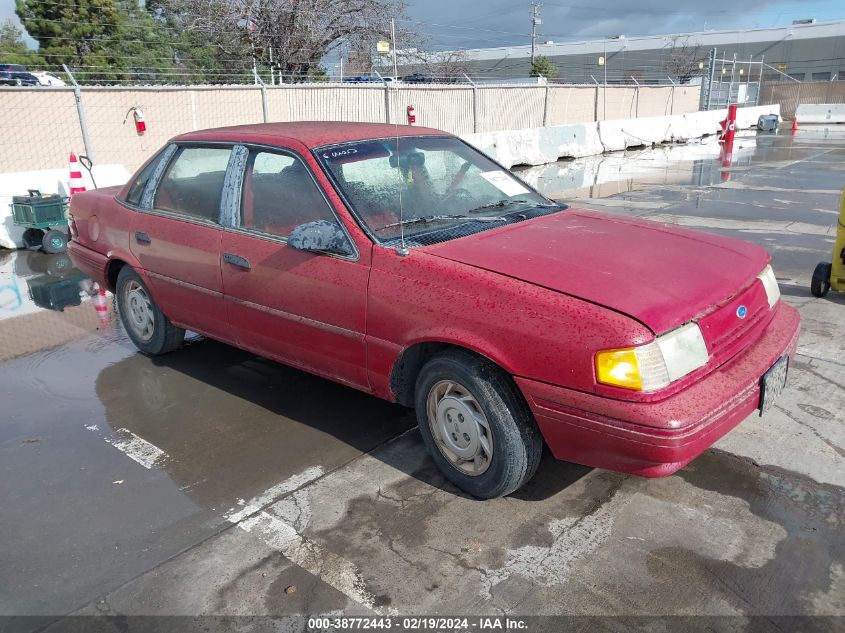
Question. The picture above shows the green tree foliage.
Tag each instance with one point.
(13, 49)
(543, 67)
(75, 32)
(103, 40)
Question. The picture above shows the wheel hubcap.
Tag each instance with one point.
(459, 427)
(139, 311)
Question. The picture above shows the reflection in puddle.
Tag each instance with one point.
(698, 163)
(45, 302)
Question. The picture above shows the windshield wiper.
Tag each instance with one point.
(507, 203)
(437, 218)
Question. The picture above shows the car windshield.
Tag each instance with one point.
(447, 189)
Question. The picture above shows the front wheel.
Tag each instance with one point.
(476, 425)
(820, 284)
(147, 326)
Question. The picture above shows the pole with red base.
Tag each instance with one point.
(729, 125)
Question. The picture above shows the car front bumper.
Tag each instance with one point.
(655, 439)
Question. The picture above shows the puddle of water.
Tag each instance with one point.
(699, 163)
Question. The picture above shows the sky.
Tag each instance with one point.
(457, 24)
(487, 23)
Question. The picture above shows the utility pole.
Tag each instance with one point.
(535, 21)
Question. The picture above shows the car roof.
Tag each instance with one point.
(310, 133)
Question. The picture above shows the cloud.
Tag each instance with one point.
(489, 23)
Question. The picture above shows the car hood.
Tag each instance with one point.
(659, 274)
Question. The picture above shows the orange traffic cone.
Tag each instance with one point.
(794, 124)
(76, 184)
(101, 305)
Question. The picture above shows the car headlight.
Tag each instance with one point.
(656, 365)
(770, 284)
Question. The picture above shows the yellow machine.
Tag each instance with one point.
(831, 274)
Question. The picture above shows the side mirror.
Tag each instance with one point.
(321, 236)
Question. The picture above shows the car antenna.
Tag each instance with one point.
(402, 251)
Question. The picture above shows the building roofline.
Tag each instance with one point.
(830, 28)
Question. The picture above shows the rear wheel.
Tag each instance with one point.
(54, 242)
(147, 326)
(820, 284)
(32, 239)
(476, 425)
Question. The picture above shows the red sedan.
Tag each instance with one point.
(403, 262)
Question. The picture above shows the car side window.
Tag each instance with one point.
(133, 197)
(193, 182)
(279, 194)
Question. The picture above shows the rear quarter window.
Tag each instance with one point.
(136, 190)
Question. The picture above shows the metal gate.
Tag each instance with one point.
(731, 80)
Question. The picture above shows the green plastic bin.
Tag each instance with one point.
(39, 211)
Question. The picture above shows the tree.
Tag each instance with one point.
(542, 66)
(683, 60)
(298, 32)
(441, 66)
(13, 49)
(71, 32)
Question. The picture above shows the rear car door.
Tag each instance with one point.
(177, 237)
(305, 309)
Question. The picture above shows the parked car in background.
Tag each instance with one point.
(367, 79)
(48, 79)
(417, 78)
(16, 75)
(403, 262)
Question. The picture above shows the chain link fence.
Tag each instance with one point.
(98, 121)
(791, 93)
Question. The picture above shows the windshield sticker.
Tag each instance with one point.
(354, 153)
(503, 182)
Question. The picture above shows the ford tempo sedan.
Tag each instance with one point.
(403, 262)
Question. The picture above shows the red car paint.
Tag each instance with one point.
(539, 298)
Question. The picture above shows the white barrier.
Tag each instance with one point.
(821, 113)
(538, 146)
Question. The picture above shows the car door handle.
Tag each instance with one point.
(142, 238)
(237, 260)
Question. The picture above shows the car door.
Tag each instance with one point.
(302, 308)
(177, 237)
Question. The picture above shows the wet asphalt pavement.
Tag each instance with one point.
(210, 481)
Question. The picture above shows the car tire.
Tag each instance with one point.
(54, 242)
(465, 407)
(32, 239)
(820, 284)
(150, 330)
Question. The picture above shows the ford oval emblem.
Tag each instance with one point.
(742, 312)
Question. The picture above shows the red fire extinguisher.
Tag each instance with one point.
(138, 115)
(412, 117)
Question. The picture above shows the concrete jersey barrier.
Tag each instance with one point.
(820, 113)
(538, 146)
